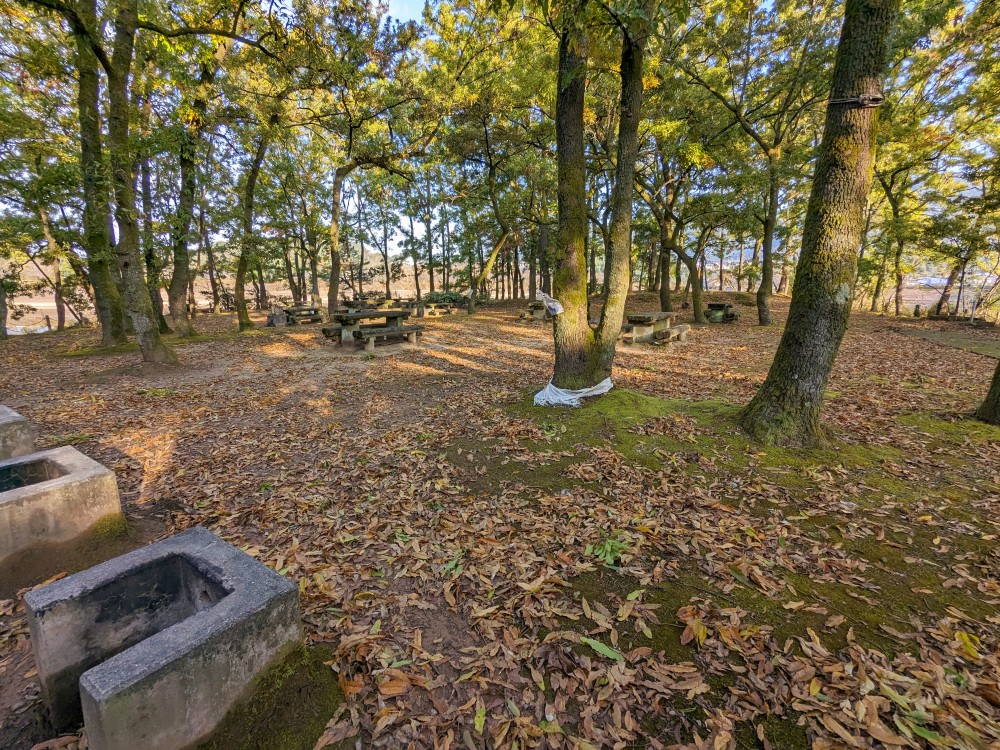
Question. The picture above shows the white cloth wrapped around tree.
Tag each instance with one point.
(553, 305)
(552, 395)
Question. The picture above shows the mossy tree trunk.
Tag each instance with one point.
(135, 292)
(574, 340)
(584, 357)
(96, 211)
(786, 409)
(990, 410)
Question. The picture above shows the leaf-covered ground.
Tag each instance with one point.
(481, 573)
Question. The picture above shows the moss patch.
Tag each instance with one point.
(781, 733)
(288, 706)
(109, 537)
(956, 430)
(954, 340)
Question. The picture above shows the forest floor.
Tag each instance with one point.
(477, 572)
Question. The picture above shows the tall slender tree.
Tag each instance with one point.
(787, 407)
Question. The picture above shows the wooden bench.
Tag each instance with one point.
(368, 336)
(334, 332)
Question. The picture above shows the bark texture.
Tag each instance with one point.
(247, 249)
(990, 410)
(574, 340)
(96, 211)
(786, 409)
(584, 357)
(135, 292)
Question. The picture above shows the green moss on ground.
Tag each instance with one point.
(951, 432)
(781, 733)
(955, 340)
(288, 706)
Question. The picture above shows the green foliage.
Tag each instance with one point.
(609, 550)
(451, 297)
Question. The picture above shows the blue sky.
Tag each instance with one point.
(406, 10)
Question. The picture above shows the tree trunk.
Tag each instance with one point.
(948, 286)
(415, 256)
(585, 358)
(429, 237)
(153, 267)
(783, 279)
(54, 251)
(177, 289)
(213, 278)
(990, 409)
(786, 409)
(247, 244)
(739, 270)
(136, 294)
(897, 269)
(96, 211)
(385, 253)
(663, 272)
(3, 309)
(694, 280)
(767, 255)
(879, 285)
(293, 286)
(188, 159)
(543, 257)
(339, 175)
(533, 273)
(574, 339)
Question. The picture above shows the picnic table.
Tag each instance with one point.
(353, 326)
(295, 314)
(721, 312)
(536, 311)
(653, 328)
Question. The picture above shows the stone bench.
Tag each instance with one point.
(334, 333)
(17, 436)
(368, 336)
(154, 648)
(53, 496)
(677, 333)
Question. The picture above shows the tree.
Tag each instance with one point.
(786, 409)
(583, 356)
(764, 66)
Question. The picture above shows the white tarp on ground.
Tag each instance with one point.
(23, 330)
(552, 395)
